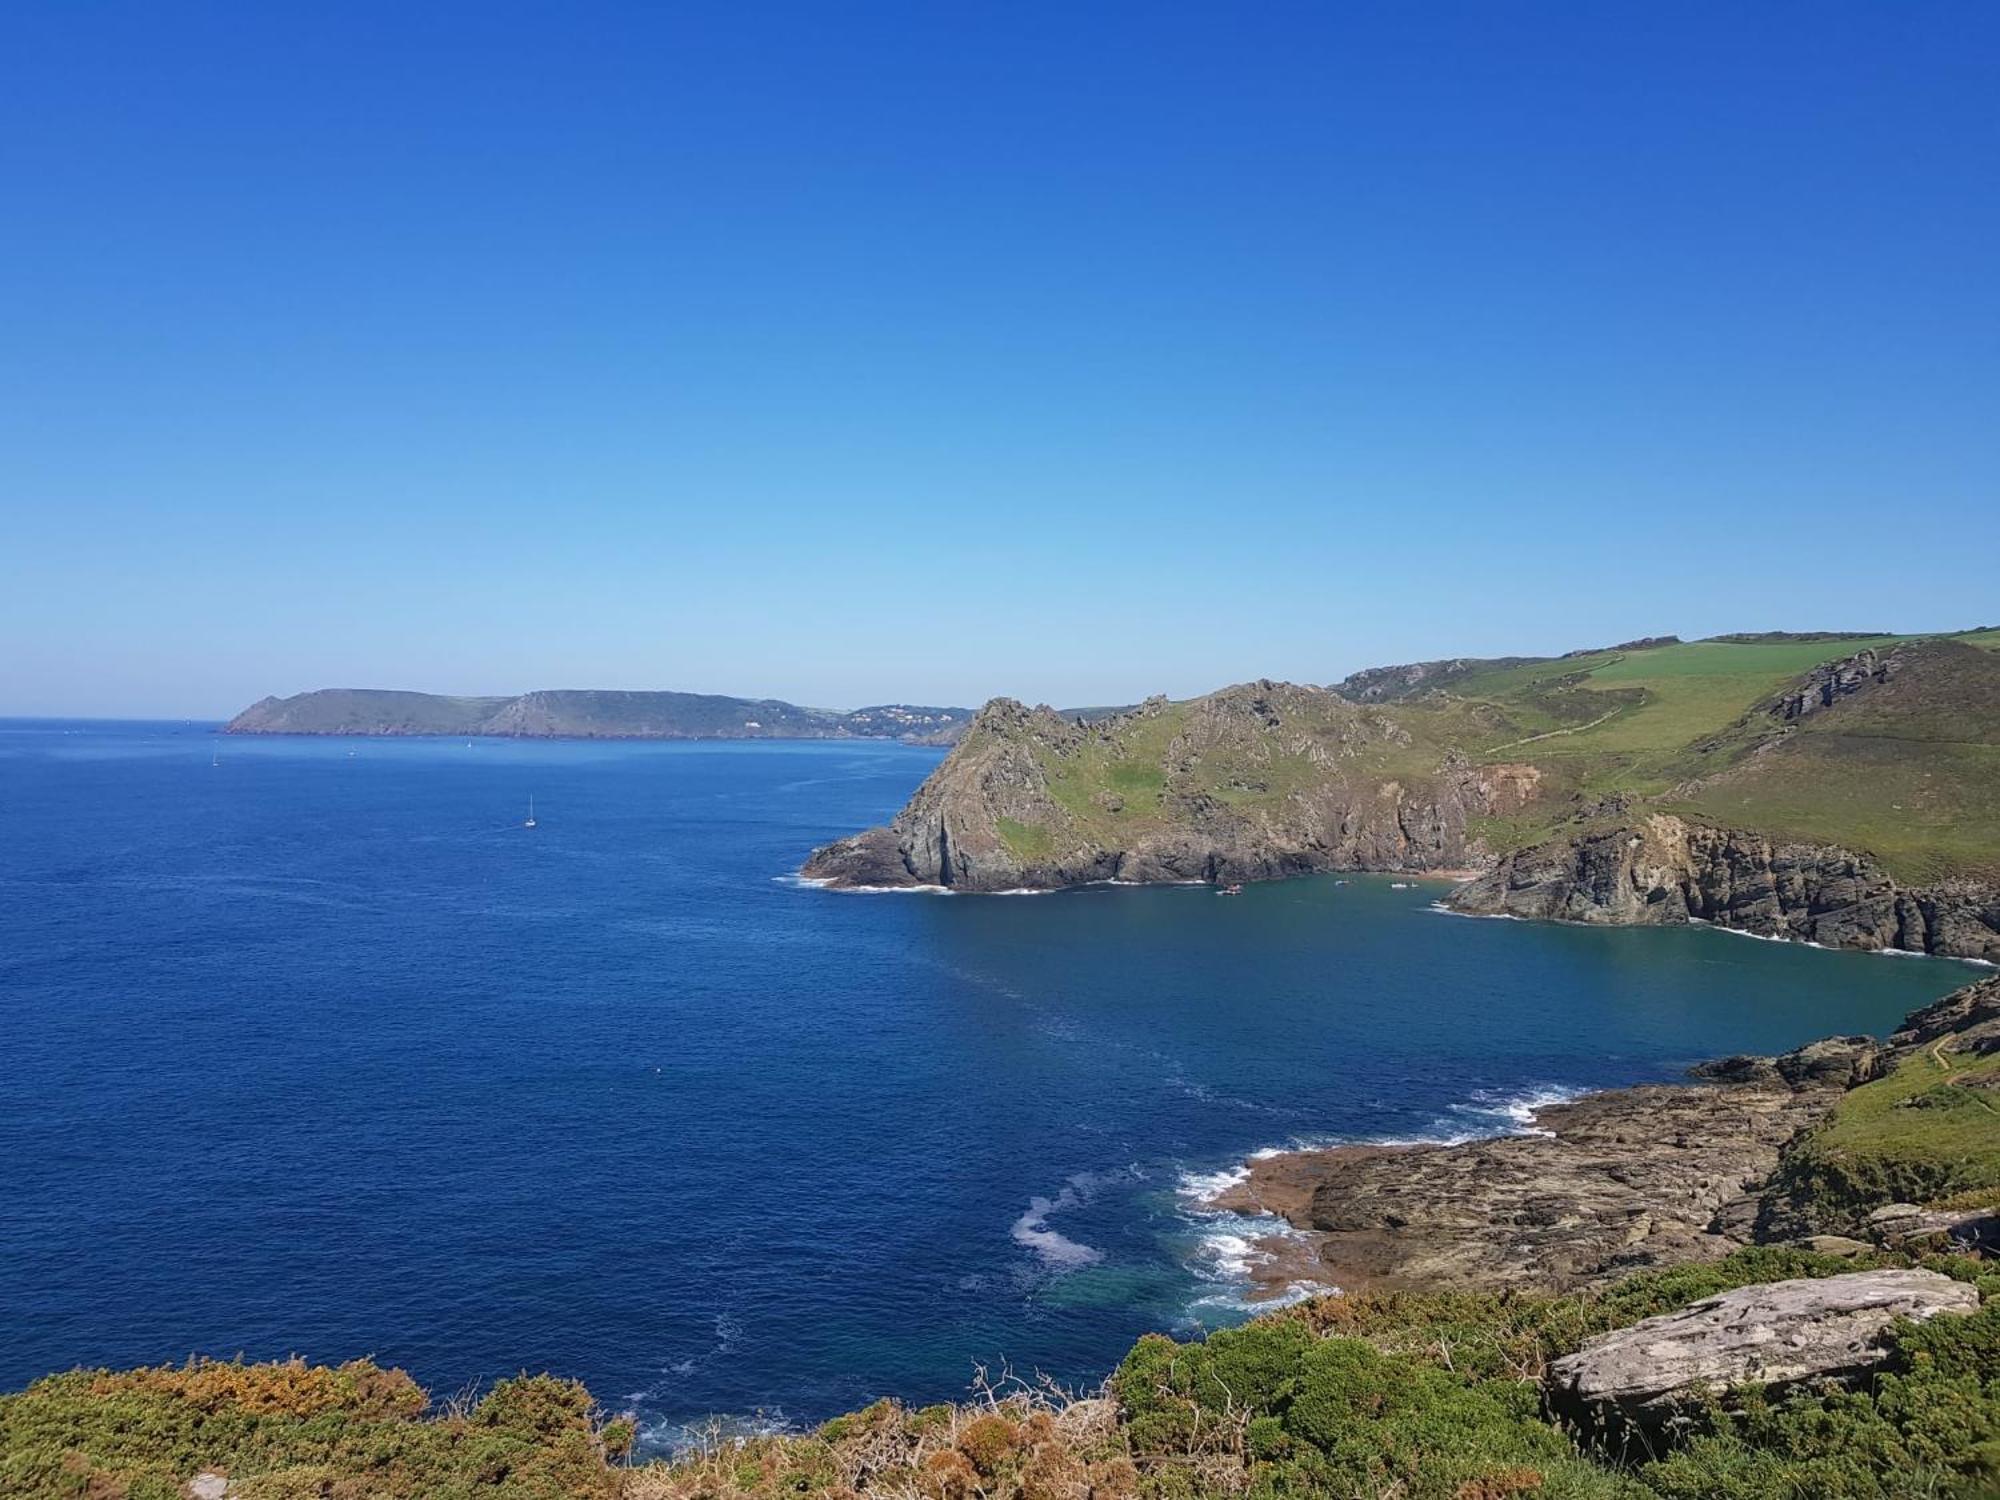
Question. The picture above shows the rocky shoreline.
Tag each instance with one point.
(1663, 870)
(1597, 1187)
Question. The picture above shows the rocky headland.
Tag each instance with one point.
(1854, 803)
(1657, 1175)
(575, 713)
(1251, 783)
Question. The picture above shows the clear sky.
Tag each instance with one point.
(846, 352)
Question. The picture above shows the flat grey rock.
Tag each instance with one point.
(1775, 1334)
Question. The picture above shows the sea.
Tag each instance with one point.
(309, 1046)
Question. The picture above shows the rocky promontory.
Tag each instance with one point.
(579, 713)
(1251, 783)
(1846, 800)
(1637, 1177)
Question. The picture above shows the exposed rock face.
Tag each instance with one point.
(1609, 1183)
(1218, 813)
(1966, 1020)
(1908, 1226)
(1387, 684)
(1623, 1179)
(1826, 685)
(1662, 869)
(1779, 1333)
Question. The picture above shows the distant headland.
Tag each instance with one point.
(582, 713)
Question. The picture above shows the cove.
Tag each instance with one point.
(313, 1048)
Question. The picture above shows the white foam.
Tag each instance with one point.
(1203, 1188)
(821, 883)
(1517, 1109)
(1229, 1248)
(1055, 1248)
(1478, 916)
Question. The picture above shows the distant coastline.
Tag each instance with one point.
(591, 714)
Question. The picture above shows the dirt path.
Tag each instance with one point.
(1555, 733)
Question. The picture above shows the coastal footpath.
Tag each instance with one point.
(1836, 790)
(1774, 1282)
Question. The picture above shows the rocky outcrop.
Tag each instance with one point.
(1910, 1226)
(1608, 1183)
(1826, 685)
(1388, 684)
(1662, 869)
(1251, 783)
(1965, 1021)
(1780, 1333)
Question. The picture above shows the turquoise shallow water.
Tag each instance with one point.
(317, 1050)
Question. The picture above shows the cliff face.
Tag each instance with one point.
(1662, 869)
(1258, 781)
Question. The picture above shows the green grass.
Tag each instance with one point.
(1029, 843)
(1927, 812)
(1908, 771)
(1668, 697)
(1929, 1131)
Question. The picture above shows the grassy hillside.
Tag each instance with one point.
(1421, 1397)
(1907, 770)
(1928, 1133)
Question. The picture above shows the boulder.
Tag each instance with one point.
(1779, 1333)
(1905, 1226)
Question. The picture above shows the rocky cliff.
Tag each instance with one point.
(1256, 781)
(1660, 869)
(1850, 798)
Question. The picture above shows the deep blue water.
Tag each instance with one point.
(317, 1050)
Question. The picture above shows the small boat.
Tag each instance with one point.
(1401, 885)
(1230, 890)
(531, 814)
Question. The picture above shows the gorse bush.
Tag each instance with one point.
(288, 1430)
(1413, 1396)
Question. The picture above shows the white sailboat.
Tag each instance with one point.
(531, 813)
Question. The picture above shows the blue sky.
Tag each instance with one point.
(858, 352)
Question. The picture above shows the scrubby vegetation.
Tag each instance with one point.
(1417, 1397)
(289, 1431)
